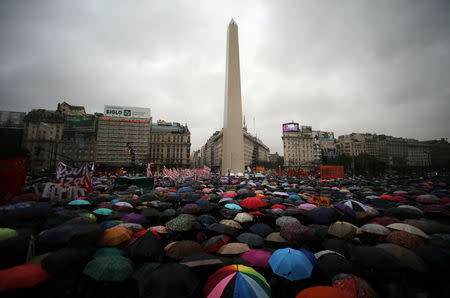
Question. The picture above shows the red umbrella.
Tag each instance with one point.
(384, 221)
(322, 291)
(253, 203)
(278, 206)
(257, 213)
(22, 276)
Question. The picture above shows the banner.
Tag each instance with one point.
(67, 176)
(260, 169)
(12, 175)
(329, 172)
(321, 201)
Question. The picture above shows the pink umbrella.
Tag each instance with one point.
(306, 206)
(257, 257)
(445, 200)
(230, 195)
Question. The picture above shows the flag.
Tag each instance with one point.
(12, 175)
(149, 170)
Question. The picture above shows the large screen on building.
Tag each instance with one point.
(326, 135)
(306, 130)
(290, 127)
(128, 112)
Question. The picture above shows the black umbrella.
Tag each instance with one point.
(339, 245)
(261, 229)
(146, 247)
(437, 258)
(223, 229)
(206, 219)
(374, 257)
(253, 240)
(66, 262)
(169, 280)
(323, 215)
(13, 251)
(151, 212)
(320, 231)
(85, 235)
(201, 260)
(331, 264)
(403, 213)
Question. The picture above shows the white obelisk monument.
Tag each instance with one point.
(233, 138)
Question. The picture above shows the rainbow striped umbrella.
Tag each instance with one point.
(237, 281)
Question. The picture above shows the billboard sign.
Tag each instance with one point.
(306, 130)
(80, 121)
(326, 135)
(290, 127)
(127, 112)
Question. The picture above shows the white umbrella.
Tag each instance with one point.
(243, 217)
(375, 229)
(409, 229)
(326, 251)
(410, 207)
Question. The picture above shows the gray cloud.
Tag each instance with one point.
(353, 66)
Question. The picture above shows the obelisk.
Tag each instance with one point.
(233, 138)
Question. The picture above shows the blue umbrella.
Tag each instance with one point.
(184, 189)
(291, 264)
(103, 211)
(233, 207)
(79, 202)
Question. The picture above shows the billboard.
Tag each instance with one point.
(326, 135)
(127, 112)
(306, 130)
(79, 122)
(290, 127)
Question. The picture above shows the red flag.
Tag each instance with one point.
(12, 175)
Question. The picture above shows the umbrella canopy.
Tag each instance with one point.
(234, 248)
(79, 203)
(428, 226)
(330, 264)
(323, 215)
(375, 229)
(147, 246)
(291, 264)
(179, 224)
(214, 243)
(201, 260)
(253, 203)
(166, 280)
(342, 229)
(231, 223)
(374, 257)
(261, 229)
(281, 221)
(353, 286)
(408, 228)
(191, 208)
(384, 221)
(275, 237)
(296, 232)
(115, 236)
(22, 276)
(223, 229)
(109, 251)
(322, 291)
(257, 257)
(6, 233)
(180, 249)
(253, 240)
(103, 211)
(236, 281)
(338, 245)
(438, 259)
(65, 262)
(243, 217)
(405, 257)
(109, 268)
(405, 239)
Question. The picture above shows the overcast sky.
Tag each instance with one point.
(343, 66)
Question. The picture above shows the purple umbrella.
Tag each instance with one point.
(295, 232)
(191, 209)
(346, 210)
(257, 257)
(134, 218)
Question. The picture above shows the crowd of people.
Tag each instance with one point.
(236, 237)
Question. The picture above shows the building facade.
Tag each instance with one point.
(255, 151)
(11, 134)
(123, 136)
(170, 145)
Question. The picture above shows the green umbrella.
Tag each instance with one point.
(79, 202)
(6, 233)
(103, 211)
(212, 196)
(109, 268)
(109, 251)
(178, 224)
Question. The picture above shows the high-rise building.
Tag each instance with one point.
(170, 145)
(123, 136)
(233, 142)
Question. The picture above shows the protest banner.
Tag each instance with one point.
(321, 201)
(67, 177)
(12, 175)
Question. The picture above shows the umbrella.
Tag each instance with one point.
(166, 280)
(343, 230)
(103, 211)
(321, 253)
(408, 228)
(291, 264)
(214, 243)
(22, 276)
(180, 249)
(403, 213)
(384, 221)
(427, 199)
(322, 291)
(234, 248)
(295, 232)
(223, 229)
(353, 285)
(146, 246)
(253, 203)
(427, 226)
(109, 251)
(231, 223)
(339, 245)
(6, 233)
(261, 229)
(233, 206)
(405, 239)
(111, 223)
(375, 229)
(405, 257)
(65, 262)
(236, 281)
(253, 240)
(191, 208)
(134, 218)
(79, 203)
(206, 220)
(438, 259)
(281, 221)
(330, 264)
(123, 204)
(83, 235)
(243, 217)
(109, 268)
(323, 215)
(200, 260)
(275, 237)
(257, 257)
(115, 236)
(179, 224)
(374, 257)
(13, 251)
